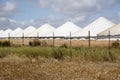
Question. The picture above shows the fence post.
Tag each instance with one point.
(109, 52)
(70, 46)
(70, 39)
(9, 37)
(53, 40)
(89, 38)
(109, 41)
(23, 39)
(38, 35)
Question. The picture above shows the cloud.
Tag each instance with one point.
(7, 10)
(75, 6)
(78, 11)
(2, 19)
(10, 6)
(119, 14)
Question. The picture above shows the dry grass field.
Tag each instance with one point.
(16, 68)
(38, 63)
(59, 42)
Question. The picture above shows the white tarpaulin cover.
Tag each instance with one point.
(26, 31)
(65, 29)
(41, 31)
(5, 33)
(95, 27)
(114, 30)
(16, 31)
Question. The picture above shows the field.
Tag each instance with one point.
(59, 63)
(51, 69)
(59, 42)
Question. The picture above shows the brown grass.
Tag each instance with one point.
(13, 67)
(59, 42)
(16, 68)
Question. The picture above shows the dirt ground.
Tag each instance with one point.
(16, 68)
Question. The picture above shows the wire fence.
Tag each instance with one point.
(69, 40)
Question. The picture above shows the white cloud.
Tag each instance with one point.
(43, 3)
(7, 9)
(32, 21)
(119, 14)
(77, 11)
(72, 5)
(2, 19)
(75, 6)
(79, 19)
(9, 6)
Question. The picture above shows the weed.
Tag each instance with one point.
(86, 53)
(64, 46)
(58, 54)
(36, 42)
(116, 44)
(5, 44)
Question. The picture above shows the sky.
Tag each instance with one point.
(24, 13)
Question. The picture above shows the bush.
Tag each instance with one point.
(64, 46)
(37, 43)
(34, 43)
(31, 43)
(116, 44)
(0, 43)
(5, 44)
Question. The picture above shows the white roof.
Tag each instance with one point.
(95, 27)
(65, 29)
(26, 31)
(16, 31)
(5, 33)
(1, 31)
(114, 30)
(41, 31)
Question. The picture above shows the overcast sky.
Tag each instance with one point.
(22, 13)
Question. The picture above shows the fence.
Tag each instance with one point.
(69, 40)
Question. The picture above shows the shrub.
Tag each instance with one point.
(0, 43)
(116, 44)
(64, 45)
(37, 43)
(34, 43)
(6, 44)
(31, 43)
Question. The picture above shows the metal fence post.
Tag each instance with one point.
(9, 37)
(89, 38)
(109, 40)
(70, 39)
(53, 40)
(38, 35)
(23, 39)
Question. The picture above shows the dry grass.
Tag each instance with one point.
(59, 42)
(16, 68)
